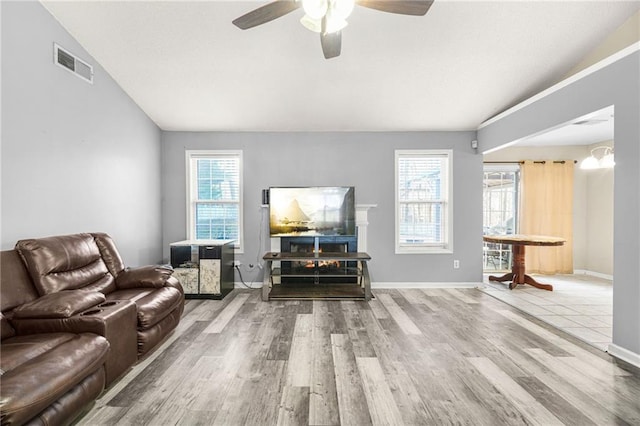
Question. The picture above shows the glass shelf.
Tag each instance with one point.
(311, 272)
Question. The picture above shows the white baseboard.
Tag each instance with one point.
(593, 274)
(379, 284)
(254, 284)
(624, 354)
(393, 285)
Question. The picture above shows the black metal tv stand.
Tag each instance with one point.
(349, 280)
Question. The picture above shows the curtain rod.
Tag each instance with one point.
(522, 162)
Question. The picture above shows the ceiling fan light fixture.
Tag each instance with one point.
(311, 24)
(335, 24)
(341, 9)
(327, 17)
(315, 9)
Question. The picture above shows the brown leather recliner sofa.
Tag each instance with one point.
(74, 319)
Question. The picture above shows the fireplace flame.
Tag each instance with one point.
(322, 263)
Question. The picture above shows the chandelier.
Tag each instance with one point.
(605, 162)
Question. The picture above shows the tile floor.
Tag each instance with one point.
(581, 305)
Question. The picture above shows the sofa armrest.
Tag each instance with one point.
(175, 283)
(152, 276)
(62, 304)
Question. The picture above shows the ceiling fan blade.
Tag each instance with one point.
(331, 44)
(266, 13)
(402, 7)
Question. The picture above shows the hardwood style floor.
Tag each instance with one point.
(408, 357)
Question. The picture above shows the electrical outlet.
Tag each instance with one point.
(236, 263)
(456, 264)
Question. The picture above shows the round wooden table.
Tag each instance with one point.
(518, 243)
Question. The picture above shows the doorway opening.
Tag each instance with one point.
(581, 303)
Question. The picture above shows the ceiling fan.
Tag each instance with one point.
(328, 17)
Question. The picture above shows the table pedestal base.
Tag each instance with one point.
(517, 274)
(528, 279)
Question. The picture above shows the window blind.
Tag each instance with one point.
(216, 195)
(422, 196)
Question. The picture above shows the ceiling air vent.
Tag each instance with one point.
(590, 122)
(70, 62)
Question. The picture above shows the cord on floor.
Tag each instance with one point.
(242, 279)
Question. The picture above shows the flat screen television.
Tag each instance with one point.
(312, 211)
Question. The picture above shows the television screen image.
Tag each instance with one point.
(312, 211)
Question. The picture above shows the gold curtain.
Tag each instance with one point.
(546, 208)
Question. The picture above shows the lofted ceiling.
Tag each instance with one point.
(190, 69)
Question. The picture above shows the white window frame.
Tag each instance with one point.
(423, 248)
(191, 177)
(503, 251)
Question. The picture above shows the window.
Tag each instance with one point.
(423, 201)
(214, 186)
(500, 212)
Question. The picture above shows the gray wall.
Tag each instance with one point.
(600, 188)
(76, 157)
(363, 160)
(617, 84)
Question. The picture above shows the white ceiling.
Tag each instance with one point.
(189, 68)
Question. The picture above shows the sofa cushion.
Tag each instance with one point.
(109, 253)
(21, 349)
(149, 338)
(15, 282)
(53, 365)
(65, 262)
(6, 330)
(152, 304)
(73, 403)
(157, 305)
(63, 304)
